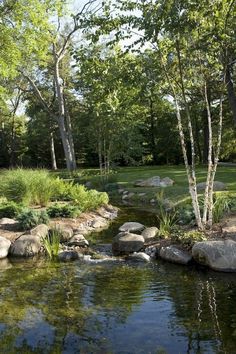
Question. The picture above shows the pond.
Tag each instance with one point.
(115, 307)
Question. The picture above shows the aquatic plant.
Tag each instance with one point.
(51, 243)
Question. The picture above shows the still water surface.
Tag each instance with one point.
(120, 308)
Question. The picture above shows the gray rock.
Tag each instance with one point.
(218, 255)
(125, 243)
(4, 247)
(217, 186)
(7, 221)
(151, 182)
(165, 182)
(152, 251)
(174, 255)
(131, 226)
(229, 229)
(66, 256)
(41, 231)
(26, 246)
(149, 233)
(153, 201)
(66, 232)
(99, 223)
(140, 257)
(78, 240)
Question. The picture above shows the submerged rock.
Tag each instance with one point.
(66, 256)
(125, 243)
(149, 233)
(218, 255)
(152, 251)
(131, 226)
(175, 255)
(139, 256)
(4, 247)
(26, 246)
(5, 264)
(78, 240)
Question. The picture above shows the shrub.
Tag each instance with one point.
(9, 210)
(51, 243)
(27, 186)
(31, 218)
(188, 238)
(63, 211)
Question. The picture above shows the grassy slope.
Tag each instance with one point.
(127, 175)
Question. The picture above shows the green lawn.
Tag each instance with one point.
(127, 175)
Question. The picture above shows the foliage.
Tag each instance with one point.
(51, 243)
(222, 205)
(188, 238)
(10, 210)
(31, 218)
(167, 222)
(63, 211)
(29, 187)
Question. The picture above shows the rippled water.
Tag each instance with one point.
(115, 308)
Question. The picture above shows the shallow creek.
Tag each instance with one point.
(115, 307)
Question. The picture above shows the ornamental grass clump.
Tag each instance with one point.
(51, 243)
(167, 221)
(29, 187)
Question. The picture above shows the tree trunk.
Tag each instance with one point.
(152, 132)
(70, 135)
(70, 164)
(230, 92)
(53, 154)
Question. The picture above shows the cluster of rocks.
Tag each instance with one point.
(155, 181)
(135, 242)
(72, 235)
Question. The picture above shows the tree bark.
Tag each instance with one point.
(53, 154)
(230, 92)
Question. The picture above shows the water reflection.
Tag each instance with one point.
(77, 308)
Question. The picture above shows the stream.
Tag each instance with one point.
(115, 307)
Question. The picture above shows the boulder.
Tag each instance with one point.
(229, 229)
(152, 251)
(149, 233)
(66, 256)
(4, 247)
(99, 223)
(139, 257)
(78, 240)
(125, 243)
(175, 255)
(131, 226)
(150, 182)
(66, 232)
(218, 255)
(165, 182)
(26, 246)
(41, 231)
(217, 186)
(7, 221)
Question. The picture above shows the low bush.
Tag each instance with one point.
(63, 211)
(31, 218)
(10, 210)
(29, 187)
(188, 238)
(38, 187)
